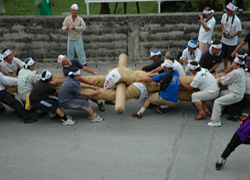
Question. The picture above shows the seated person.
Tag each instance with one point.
(169, 55)
(236, 89)
(191, 53)
(10, 100)
(10, 64)
(41, 98)
(212, 57)
(71, 96)
(27, 79)
(157, 61)
(68, 64)
(164, 97)
(208, 85)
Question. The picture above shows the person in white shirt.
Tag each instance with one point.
(236, 82)
(208, 85)
(191, 53)
(10, 64)
(231, 28)
(169, 55)
(207, 23)
(10, 100)
(27, 78)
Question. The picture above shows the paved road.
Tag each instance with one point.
(173, 146)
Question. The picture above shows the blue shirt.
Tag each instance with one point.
(74, 63)
(171, 92)
(69, 89)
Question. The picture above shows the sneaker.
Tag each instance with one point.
(160, 110)
(137, 115)
(98, 118)
(67, 122)
(214, 124)
(101, 106)
(219, 165)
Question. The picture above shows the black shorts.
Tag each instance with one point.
(227, 51)
(46, 105)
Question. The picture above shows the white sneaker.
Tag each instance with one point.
(98, 118)
(214, 124)
(68, 122)
(69, 117)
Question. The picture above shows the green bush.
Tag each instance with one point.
(199, 5)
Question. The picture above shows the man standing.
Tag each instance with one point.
(231, 28)
(246, 40)
(206, 28)
(212, 57)
(44, 7)
(74, 24)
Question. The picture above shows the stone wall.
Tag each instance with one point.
(106, 36)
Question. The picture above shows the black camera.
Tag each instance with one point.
(203, 15)
(226, 34)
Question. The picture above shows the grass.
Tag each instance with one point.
(27, 7)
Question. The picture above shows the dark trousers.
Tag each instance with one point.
(233, 144)
(11, 101)
(240, 3)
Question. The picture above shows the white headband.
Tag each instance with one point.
(7, 53)
(193, 67)
(29, 62)
(167, 63)
(47, 76)
(208, 12)
(74, 73)
(242, 56)
(74, 7)
(1, 57)
(238, 61)
(60, 58)
(217, 46)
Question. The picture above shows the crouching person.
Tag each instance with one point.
(167, 96)
(71, 96)
(10, 100)
(208, 85)
(41, 98)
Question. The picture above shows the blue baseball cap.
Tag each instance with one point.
(154, 53)
(192, 44)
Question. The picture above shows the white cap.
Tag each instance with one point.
(7, 53)
(168, 63)
(47, 76)
(28, 62)
(154, 53)
(60, 58)
(231, 7)
(192, 44)
(74, 7)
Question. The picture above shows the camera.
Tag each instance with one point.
(203, 15)
(226, 34)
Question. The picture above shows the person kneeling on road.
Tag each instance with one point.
(41, 97)
(71, 96)
(167, 96)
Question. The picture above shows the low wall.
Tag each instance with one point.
(106, 36)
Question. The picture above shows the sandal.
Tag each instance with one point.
(208, 113)
(199, 116)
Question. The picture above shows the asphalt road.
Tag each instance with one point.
(173, 146)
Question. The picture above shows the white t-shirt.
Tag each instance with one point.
(205, 81)
(206, 36)
(195, 56)
(231, 28)
(178, 67)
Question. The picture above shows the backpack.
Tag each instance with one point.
(166, 80)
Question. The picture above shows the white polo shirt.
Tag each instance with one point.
(195, 56)
(206, 36)
(231, 28)
(205, 81)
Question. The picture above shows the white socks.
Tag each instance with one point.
(141, 110)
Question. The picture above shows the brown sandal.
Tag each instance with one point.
(199, 116)
(208, 113)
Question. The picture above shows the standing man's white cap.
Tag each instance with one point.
(74, 7)
(231, 7)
